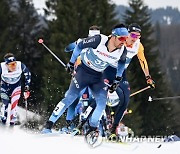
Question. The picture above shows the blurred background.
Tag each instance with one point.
(59, 22)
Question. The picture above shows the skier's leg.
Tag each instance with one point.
(123, 92)
(71, 110)
(14, 102)
(77, 84)
(101, 97)
(4, 109)
(70, 117)
(93, 136)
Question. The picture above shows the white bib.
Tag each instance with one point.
(11, 77)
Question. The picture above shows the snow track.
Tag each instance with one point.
(18, 141)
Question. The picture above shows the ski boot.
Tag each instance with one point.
(93, 137)
(75, 132)
(64, 130)
(70, 125)
(48, 127)
(3, 120)
(111, 135)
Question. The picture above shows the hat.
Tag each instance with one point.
(94, 30)
(134, 27)
(120, 32)
(9, 60)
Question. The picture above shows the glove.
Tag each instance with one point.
(150, 82)
(26, 92)
(115, 84)
(70, 67)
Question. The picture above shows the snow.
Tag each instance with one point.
(18, 141)
(30, 115)
(21, 114)
(22, 141)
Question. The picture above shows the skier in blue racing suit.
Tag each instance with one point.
(97, 53)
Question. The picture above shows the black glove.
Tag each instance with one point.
(115, 84)
(70, 67)
(26, 92)
(150, 81)
(26, 88)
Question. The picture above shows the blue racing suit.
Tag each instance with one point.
(95, 59)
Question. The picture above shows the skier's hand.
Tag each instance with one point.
(115, 84)
(26, 92)
(70, 68)
(150, 81)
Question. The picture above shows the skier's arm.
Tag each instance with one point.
(121, 63)
(120, 68)
(27, 74)
(144, 66)
(70, 47)
(90, 42)
(142, 60)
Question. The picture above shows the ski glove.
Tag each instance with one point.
(115, 84)
(150, 81)
(70, 68)
(26, 92)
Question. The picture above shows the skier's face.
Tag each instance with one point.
(133, 36)
(12, 66)
(119, 41)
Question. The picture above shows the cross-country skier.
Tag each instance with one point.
(11, 71)
(85, 94)
(93, 30)
(134, 47)
(99, 52)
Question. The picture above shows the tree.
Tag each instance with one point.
(6, 20)
(20, 29)
(156, 116)
(27, 28)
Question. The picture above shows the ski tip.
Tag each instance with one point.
(40, 41)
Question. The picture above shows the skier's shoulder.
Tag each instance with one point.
(104, 38)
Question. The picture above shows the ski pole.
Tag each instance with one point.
(40, 41)
(150, 99)
(25, 101)
(139, 91)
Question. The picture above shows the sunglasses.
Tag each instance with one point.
(121, 38)
(134, 35)
(12, 64)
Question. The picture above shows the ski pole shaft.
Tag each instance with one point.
(25, 101)
(173, 97)
(139, 91)
(41, 42)
(26, 108)
(162, 98)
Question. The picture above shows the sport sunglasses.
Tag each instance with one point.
(134, 35)
(122, 38)
(12, 64)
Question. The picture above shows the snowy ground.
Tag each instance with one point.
(18, 141)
